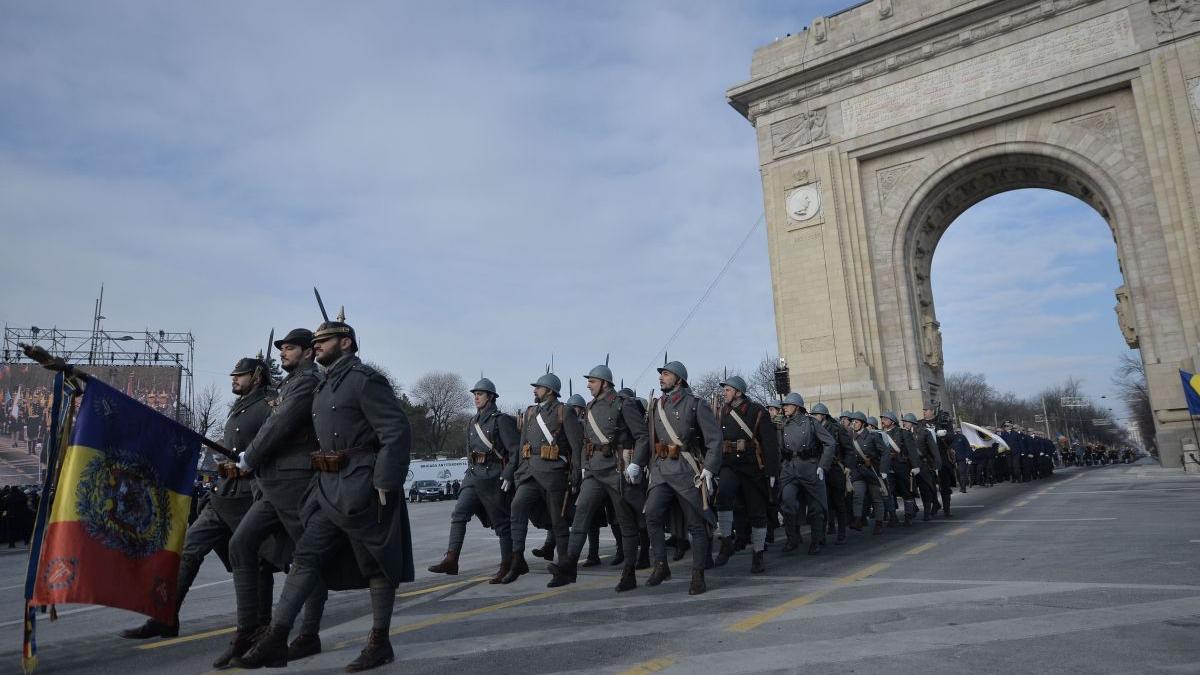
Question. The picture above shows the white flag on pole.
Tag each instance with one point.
(979, 437)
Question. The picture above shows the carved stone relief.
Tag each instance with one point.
(1102, 123)
(891, 176)
(796, 132)
(1175, 18)
(1124, 310)
(931, 342)
(885, 8)
(804, 203)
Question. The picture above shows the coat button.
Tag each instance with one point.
(335, 433)
(333, 407)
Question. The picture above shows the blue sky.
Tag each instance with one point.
(481, 184)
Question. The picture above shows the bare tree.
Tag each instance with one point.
(1130, 380)
(445, 398)
(707, 386)
(761, 382)
(206, 419)
(970, 395)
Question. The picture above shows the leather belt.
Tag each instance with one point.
(604, 449)
(666, 451)
(333, 461)
(734, 447)
(480, 457)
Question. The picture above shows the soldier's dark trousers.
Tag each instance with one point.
(261, 522)
(835, 485)
(659, 501)
(527, 497)
(321, 541)
(747, 482)
(946, 482)
(804, 496)
(905, 487)
(207, 533)
(863, 488)
(469, 503)
(925, 485)
(592, 496)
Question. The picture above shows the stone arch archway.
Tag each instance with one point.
(894, 118)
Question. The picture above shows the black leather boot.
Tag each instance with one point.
(150, 629)
(518, 567)
(726, 551)
(756, 563)
(242, 641)
(303, 646)
(377, 653)
(449, 564)
(270, 651)
(628, 580)
(659, 574)
(498, 577)
(697, 586)
(564, 573)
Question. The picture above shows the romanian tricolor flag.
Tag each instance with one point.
(1191, 391)
(120, 508)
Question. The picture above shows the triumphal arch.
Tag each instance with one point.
(879, 125)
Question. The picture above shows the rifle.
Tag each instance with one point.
(867, 463)
(57, 364)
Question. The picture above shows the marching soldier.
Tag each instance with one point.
(606, 515)
(613, 428)
(226, 506)
(868, 471)
(749, 468)
(835, 478)
(357, 495)
(545, 469)
(684, 453)
(931, 462)
(492, 440)
(808, 450)
(947, 476)
(280, 458)
(905, 464)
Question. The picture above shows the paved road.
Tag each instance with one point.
(1091, 571)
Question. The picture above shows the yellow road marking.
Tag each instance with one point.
(225, 631)
(958, 531)
(470, 613)
(920, 549)
(187, 638)
(651, 666)
(756, 620)
(1004, 511)
(1021, 503)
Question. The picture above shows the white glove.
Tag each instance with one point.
(941, 433)
(242, 465)
(707, 477)
(820, 473)
(883, 476)
(382, 496)
(582, 474)
(505, 486)
(633, 473)
(772, 479)
(915, 471)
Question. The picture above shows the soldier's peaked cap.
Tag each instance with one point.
(247, 365)
(485, 385)
(301, 337)
(333, 329)
(794, 399)
(601, 373)
(736, 382)
(549, 381)
(676, 368)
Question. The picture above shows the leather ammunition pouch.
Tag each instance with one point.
(480, 457)
(526, 451)
(230, 470)
(335, 460)
(548, 453)
(604, 449)
(734, 447)
(665, 451)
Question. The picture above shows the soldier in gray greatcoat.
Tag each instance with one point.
(280, 458)
(356, 496)
(545, 473)
(867, 473)
(749, 468)
(492, 442)
(931, 464)
(613, 424)
(226, 506)
(835, 477)
(681, 459)
(807, 452)
(905, 462)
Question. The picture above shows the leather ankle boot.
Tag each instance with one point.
(270, 651)
(756, 563)
(518, 567)
(305, 645)
(697, 586)
(150, 629)
(242, 641)
(498, 577)
(726, 551)
(659, 574)
(449, 564)
(377, 653)
(628, 580)
(564, 573)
